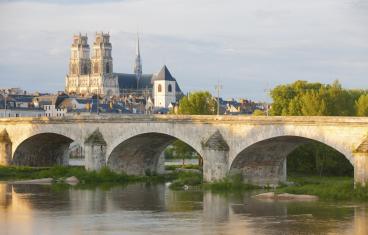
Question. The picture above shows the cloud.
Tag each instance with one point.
(247, 45)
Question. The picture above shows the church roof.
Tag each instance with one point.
(129, 81)
(164, 74)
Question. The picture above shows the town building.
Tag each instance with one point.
(94, 75)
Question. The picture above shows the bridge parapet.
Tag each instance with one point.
(132, 140)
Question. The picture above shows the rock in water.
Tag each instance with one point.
(36, 181)
(285, 197)
(72, 180)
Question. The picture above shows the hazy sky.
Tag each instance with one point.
(247, 45)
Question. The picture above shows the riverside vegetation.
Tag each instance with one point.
(326, 188)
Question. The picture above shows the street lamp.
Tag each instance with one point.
(5, 96)
(218, 87)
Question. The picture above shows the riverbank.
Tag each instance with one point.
(58, 173)
(326, 188)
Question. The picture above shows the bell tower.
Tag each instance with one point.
(80, 63)
(101, 55)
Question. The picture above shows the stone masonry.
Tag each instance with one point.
(255, 147)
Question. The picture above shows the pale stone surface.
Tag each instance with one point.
(5, 148)
(257, 146)
(285, 197)
(72, 180)
(36, 181)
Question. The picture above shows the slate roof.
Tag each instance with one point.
(129, 81)
(164, 74)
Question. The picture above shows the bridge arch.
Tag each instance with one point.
(42, 149)
(264, 162)
(141, 154)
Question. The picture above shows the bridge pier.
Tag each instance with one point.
(215, 155)
(5, 148)
(361, 168)
(95, 151)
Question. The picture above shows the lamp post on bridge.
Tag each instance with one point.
(218, 87)
(5, 103)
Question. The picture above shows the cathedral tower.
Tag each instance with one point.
(80, 63)
(138, 63)
(101, 55)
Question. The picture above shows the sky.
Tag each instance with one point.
(248, 46)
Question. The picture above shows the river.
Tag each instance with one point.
(142, 209)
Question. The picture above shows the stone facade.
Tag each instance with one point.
(256, 147)
(91, 75)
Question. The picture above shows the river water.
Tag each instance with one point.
(154, 209)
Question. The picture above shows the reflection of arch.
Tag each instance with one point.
(264, 162)
(43, 149)
(169, 88)
(140, 154)
(159, 88)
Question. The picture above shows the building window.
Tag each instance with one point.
(107, 68)
(85, 69)
(74, 69)
(159, 88)
(169, 88)
(95, 68)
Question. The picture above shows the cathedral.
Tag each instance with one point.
(94, 75)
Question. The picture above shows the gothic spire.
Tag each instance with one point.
(138, 63)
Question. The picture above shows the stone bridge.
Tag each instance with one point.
(257, 147)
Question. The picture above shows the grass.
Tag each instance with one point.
(104, 175)
(326, 188)
(232, 183)
(188, 166)
(186, 179)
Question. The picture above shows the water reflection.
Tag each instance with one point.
(154, 209)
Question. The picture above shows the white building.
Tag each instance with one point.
(164, 92)
(52, 111)
(22, 112)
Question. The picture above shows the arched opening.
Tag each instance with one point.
(74, 69)
(44, 149)
(169, 88)
(85, 69)
(159, 88)
(95, 68)
(266, 162)
(143, 154)
(107, 69)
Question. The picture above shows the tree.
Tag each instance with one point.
(258, 112)
(197, 103)
(315, 99)
(362, 106)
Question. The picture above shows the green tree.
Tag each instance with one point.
(258, 112)
(197, 103)
(315, 99)
(362, 106)
(313, 103)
